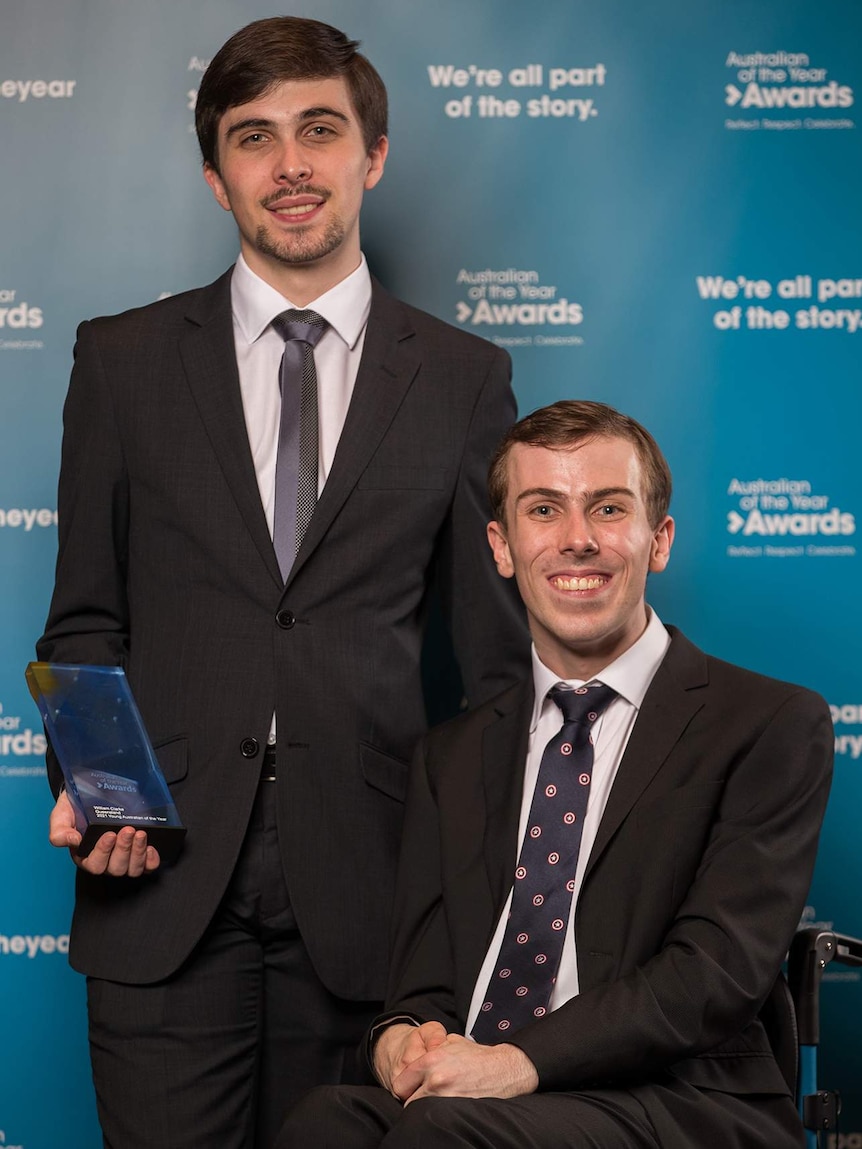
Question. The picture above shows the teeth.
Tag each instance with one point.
(299, 209)
(578, 583)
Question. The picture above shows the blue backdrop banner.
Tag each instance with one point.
(652, 205)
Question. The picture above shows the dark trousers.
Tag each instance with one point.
(370, 1118)
(673, 1115)
(216, 1054)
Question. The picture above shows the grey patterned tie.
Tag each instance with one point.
(296, 462)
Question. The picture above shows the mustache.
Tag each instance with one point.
(302, 189)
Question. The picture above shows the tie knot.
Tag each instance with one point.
(304, 326)
(583, 705)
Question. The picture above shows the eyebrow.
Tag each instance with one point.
(589, 496)
(314, 113)
(609, 493)
(269, 125)
(244, 125)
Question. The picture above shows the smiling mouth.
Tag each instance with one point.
(294, 211)
(592, 582)
(296, 203)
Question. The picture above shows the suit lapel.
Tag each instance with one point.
(209, 359)
(390, 361)
(672, 700)
(504, 755)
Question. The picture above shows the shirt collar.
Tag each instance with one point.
(345, 307)
(629, 675)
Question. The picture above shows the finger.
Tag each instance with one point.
(412, 1048)
(433, 1034)
(420, 1092)
(96, 862)
(392, 1068)
(153, 860)
(121, 855)
(388, 1052)
(137, 860)
(408, 1081)
(61, 824)
(59, 835)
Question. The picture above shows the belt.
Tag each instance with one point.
(267, 769)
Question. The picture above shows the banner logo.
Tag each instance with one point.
(18, 317)
(16, 742)
(516, 298)
(847, 715)
(767, 82)
(195, 64)
(22, 90)
(32, 945)
(786, 518)
(28, 518)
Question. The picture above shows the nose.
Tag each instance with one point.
(293, 166)
(577, 535)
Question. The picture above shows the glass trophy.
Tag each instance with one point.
(112, 775)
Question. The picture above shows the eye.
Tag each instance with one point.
(609, 511)
(253, 139)
(320, 132)
(542, 511)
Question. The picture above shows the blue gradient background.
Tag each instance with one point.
(103, 208)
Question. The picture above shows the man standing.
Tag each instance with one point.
(261, 481)
(602, 868)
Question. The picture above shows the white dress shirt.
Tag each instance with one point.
(630, 676)
(259, 348)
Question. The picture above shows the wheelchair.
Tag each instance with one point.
(791, 1016)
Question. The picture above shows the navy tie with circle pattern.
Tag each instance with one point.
(296, 461)
(520, 988)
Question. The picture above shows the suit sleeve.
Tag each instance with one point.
(88, 621)
(723, 948)
(422, 974)
(484, 613)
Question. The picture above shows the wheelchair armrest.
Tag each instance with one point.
(810, 952)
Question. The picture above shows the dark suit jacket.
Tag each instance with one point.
(693, 890)
(166, 567)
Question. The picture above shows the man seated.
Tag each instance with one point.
(602, 868)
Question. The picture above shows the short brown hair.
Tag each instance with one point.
(268, 52)
(569, 423)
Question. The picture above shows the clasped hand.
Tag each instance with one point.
(426, 1061)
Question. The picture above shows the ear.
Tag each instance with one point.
(376, 163)
(500, 547)
(662, 541)
(218, 189)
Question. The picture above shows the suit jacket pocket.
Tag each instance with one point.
(173, 757)
(403, 478)
(383, 772)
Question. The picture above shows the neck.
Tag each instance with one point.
(587, 660)
(301, 282)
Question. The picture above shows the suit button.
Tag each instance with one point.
(285, 619)
(249, 747)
